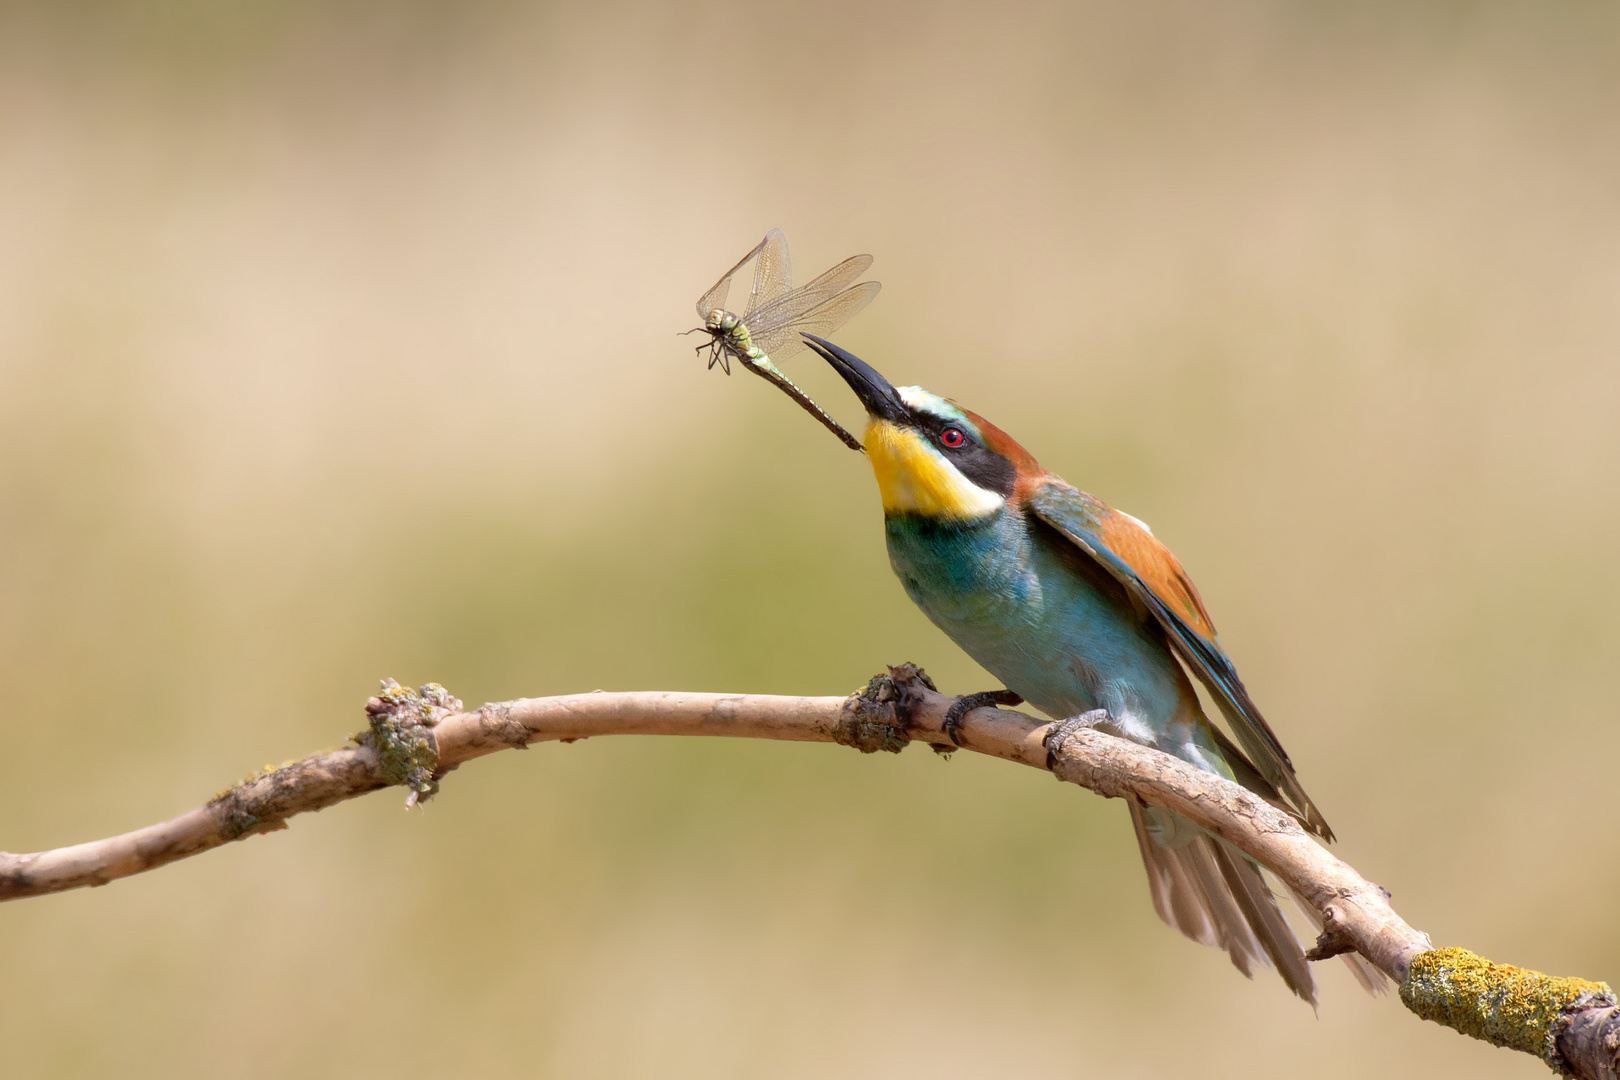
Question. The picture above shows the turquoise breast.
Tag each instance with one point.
(1038, 614)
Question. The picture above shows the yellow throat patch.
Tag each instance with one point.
(915, 479)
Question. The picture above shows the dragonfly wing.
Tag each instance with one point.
(821, 320)
(787, 309)
(716, 296)
(773, 276)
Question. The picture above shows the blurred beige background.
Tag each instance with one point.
(338, 341)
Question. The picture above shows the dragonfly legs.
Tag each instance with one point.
(715, 346)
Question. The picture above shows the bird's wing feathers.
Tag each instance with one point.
(1154, 579)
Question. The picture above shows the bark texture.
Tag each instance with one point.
(416, 736)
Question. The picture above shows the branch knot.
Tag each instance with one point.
(871, 722)
(402, 722)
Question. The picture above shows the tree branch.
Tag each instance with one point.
(416, 737)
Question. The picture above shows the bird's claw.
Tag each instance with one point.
(952, 724)
(1059, 732)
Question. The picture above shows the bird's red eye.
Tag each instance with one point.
(952, 437)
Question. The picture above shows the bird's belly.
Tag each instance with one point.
(1066, 642)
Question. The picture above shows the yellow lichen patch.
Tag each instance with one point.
(1504, 1005)
(914, 478)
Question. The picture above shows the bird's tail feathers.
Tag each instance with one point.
(1217, 897)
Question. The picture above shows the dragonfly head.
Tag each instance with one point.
(721, 321)
(932, 458)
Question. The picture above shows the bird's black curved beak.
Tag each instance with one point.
(876, 393)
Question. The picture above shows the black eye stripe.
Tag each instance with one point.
(971, 457)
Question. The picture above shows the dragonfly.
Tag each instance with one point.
(776, 315)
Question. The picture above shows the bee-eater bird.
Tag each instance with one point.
(1079, 610)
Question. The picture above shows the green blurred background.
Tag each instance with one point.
(338, 341)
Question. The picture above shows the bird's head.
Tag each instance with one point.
(932, 458)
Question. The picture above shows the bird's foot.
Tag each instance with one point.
(1059, 732)
(952, 724)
